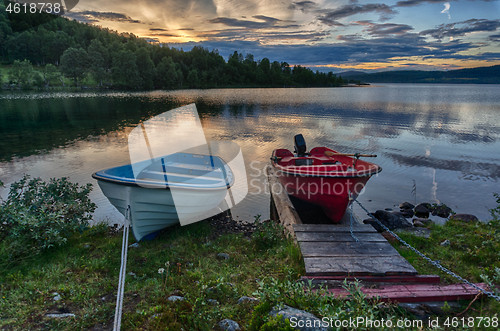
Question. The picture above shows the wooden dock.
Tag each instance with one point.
(331, 255)
(330, 250)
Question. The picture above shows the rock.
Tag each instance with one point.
(418, 224)
(244, 299)
(308, 322)
(132, 274)
(408, 213)
(174, 298)
(423, 221)
(222, 256)
(406, 205)
(445, 243)
(393, 220)
(467, 218)
(388, 209)
(60, 315)
(229, 325)
(442, 211)
(213, 302)
(57, 296)
(86, 246)
(422, 210)
(134, 245)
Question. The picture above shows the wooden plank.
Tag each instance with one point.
(287, 214)
(333, 228)
(339, 236)
(417, 292)
(417, 279)
(361, 265)
(347, 249)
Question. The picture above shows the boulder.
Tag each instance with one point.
(423, 221)
(467, 218)
(222, 256)
(406, 205)
(302, 319)
(393, 220)
(418, 224)
(244, 299)
(423, 210)
(229, 325)
(408, 213)
(442, 211)
(445, 243)
(174, 298)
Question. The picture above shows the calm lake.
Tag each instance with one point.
(444, 138)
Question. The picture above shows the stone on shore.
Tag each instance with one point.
(442, 211)
(406, 205)
(308, 322)
(174, 298)
(222, 256)
(422, 210)
(422, 222)
(244, 299)
(393, 220)
(229, 325)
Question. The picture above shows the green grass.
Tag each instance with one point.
(474, 250)
(85, 273)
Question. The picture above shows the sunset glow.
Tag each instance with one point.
(347, 34)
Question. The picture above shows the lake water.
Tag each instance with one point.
(444, 138)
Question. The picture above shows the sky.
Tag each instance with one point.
(323, 34)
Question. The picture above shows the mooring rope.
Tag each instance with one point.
(123, 267)
(428, 259)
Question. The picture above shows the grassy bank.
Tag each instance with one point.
(211, 264)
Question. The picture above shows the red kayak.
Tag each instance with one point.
(323, 176)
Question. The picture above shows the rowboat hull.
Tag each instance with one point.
(154, 209)
(330, 182)
(179, 188)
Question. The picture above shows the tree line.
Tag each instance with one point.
(43, 50)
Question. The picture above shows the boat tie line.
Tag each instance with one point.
(123, 266)
(428, 259)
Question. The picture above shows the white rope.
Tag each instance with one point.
(123, 267)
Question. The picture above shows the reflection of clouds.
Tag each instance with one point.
(470, 170)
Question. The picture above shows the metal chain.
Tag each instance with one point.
(350, 225)
(428, 259)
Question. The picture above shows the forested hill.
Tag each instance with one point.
(43, 50)
(482, 75)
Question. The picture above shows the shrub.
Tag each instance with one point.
(38, 215)
(267, 235)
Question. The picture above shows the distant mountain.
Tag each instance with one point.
(351, 73)
(481, 75)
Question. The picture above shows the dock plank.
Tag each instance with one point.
(333, 228)
(347, 249)
(417, 292)
(361, 265)
(339, 237)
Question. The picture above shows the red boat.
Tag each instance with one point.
(323, 176)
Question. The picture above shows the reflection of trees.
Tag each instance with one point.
(31, 125)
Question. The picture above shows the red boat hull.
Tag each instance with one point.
(324, 180)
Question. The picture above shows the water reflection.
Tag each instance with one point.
(444, 137)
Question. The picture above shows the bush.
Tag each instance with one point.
(267, 235)
(38, 215)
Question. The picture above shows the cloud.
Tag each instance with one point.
(494, 37)
(411, 3)
(265, 22)
(90, 16)
(331, 16)
(303, 6)
(462, 28)
(354, 50)
(446, 9)
(157, 29)
(375, 29)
